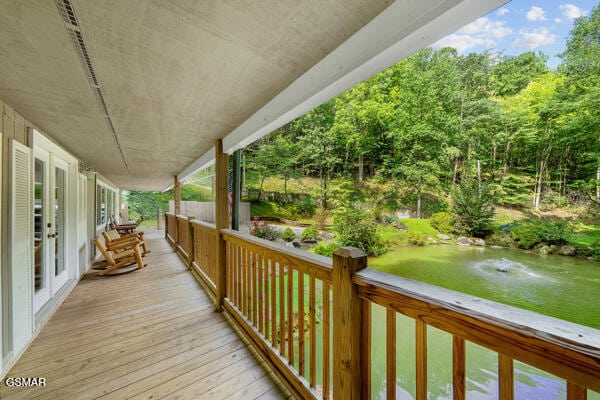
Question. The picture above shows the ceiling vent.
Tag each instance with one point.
(67, 13)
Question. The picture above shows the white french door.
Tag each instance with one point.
(50, 225)
(58, 178)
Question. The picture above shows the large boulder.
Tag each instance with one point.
(478, 242)
(567, 250)
(463, 241)
(443, 236)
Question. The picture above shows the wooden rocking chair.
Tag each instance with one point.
(120, 255)
(123, 229)
(113, 237)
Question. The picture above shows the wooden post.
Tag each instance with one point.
(190, 249)
(236, 184)
(177, 195)
(347, 324)
(222, 218)
(159, 219)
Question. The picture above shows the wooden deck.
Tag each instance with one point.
(149, 334)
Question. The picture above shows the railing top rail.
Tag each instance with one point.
(562, 348)
(313, 264)
(180, 216)
(203, 224)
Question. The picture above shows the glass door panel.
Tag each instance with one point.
(59, 221)
(41, 239)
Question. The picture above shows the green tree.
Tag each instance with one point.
(513, 73)
(473, 207)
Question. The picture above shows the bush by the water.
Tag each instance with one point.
(305, 207)
(309, 233)
(326, 249)
(528, 235)
(264, 231)
(417, 238)
(357, 228)
(443, 222)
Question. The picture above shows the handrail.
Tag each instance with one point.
(312, 264)
(562, 348)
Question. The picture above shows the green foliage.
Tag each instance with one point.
(443, 222)
(499, 239)
(473, 207)
(326, 249)
(309, 233)
(288, 234)
(526, 236)
(270, 210)
(264, 231)
(417, 238)
(515, 191)
(357, 228)
(305, 207)
(513, 73)
(530, 234)
(553, 232)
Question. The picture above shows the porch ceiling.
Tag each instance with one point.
(174, 75)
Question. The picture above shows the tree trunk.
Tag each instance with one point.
(260, 190)
(455, 173)
(479, 174)
(538, 186)
(598, 181)
(360, 168)
(419, 199)
(505, 166)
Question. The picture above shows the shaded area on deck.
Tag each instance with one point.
(152, 333)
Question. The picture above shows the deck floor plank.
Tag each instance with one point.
(152, 333)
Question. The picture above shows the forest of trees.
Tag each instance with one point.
(438, 118)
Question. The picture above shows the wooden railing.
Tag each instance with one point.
(280, 297)
(204, 257)
(184, 242)
(310, 317)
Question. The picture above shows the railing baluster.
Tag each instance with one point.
(366, 344)
(281, 309)
(576, 392)
(313, 332)
(421, 349)
(273, 302)
(257, 301)
(301, 368)
(252, 292)
(263, 305)
(290, 313)
(390, 354)
(458, 368)
(505, 377)
(326, 340)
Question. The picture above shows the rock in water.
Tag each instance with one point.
(463, 241)
(443, 236)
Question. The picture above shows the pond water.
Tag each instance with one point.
(562, 287)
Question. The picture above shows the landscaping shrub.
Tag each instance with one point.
(309, 233)
(417, 238)
(288, 234)
(526, 236)
(499, 239)
(442, 221)
(326, 249)
(553, 232)
(264, 231)
(357, 228)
